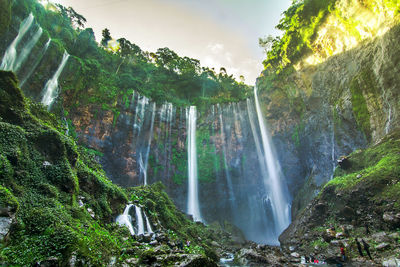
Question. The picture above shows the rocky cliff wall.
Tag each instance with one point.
(341, 97)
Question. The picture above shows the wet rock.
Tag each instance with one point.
(391, 263)
(132, 261)
(193, 260)
(344, 162)
(5, 224)
(295, 255)
(347, 213)
(49, 262)
(380, 237)
(392, 219)
(382, 246)
(394, 236)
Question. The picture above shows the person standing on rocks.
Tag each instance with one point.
(359, 248)
(366, 248)
(342, 251)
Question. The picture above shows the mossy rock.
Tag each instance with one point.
(10, 93)
(7, 199)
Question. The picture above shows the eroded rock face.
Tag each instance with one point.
(324, 121)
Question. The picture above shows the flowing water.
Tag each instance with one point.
(51, 88)
(27, 49)
(126, 220)
(193, 198)
(274, 186)
(38, 58)
(11, 56)
(139, 221)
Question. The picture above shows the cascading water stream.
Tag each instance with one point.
(193, 198)
(38, 58)
(148, 145)
(126, 220)
(139, 221)
(51, 88)
(272, 179)
(27, 49)
(226, 166)
(148, 226)
(333, 149)
(11, 57)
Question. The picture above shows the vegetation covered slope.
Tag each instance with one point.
(57, 205)
(364, 192)
(106, 72)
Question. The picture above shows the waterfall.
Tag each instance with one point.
(274, 186)
(139, 221)
(149, 144)
(11, 57)
(148, 226)
(226, 166)
(51, 88)
(126, 220)
(27, 49)
(37, 61)
(389, 118)
(193, 198)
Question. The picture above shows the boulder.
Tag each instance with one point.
(382, 246)
(391, 263)
(5, 224)
(380, 237)
(392, 219)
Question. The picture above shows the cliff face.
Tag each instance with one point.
(342, 96)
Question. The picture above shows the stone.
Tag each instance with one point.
(391, 263)
(392, 218)
(91, 213)
(380, 237)
(394, 236)
(344, 162)
(133, 261)
(382, 246)
(295, 255)
(5, 224)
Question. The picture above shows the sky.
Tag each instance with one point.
(220, 33)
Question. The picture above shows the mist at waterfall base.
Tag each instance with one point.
(248, 189)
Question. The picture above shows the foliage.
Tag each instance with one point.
(299, 25)
(106, 74)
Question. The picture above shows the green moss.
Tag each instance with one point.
(7, 199)
(360, 108)
(208, 161)
(376, 167)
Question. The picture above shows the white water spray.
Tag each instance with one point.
(10, 57)
(139, 220)
(148, 226)
(51, 88)
(126, 220)
(272, 179)
(27, 49)
(193, 198)
(37, 61)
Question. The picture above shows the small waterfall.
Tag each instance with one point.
(275, 188)
(37, 61)
(389, 118)
(148, 145)
(27, 49)
(139, 221)
(11, 57)
(126, 220)
(148, 226)
(193, 198)
(51, 88)
(226, 166)
(333, 149)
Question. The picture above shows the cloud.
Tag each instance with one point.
(215, 48)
